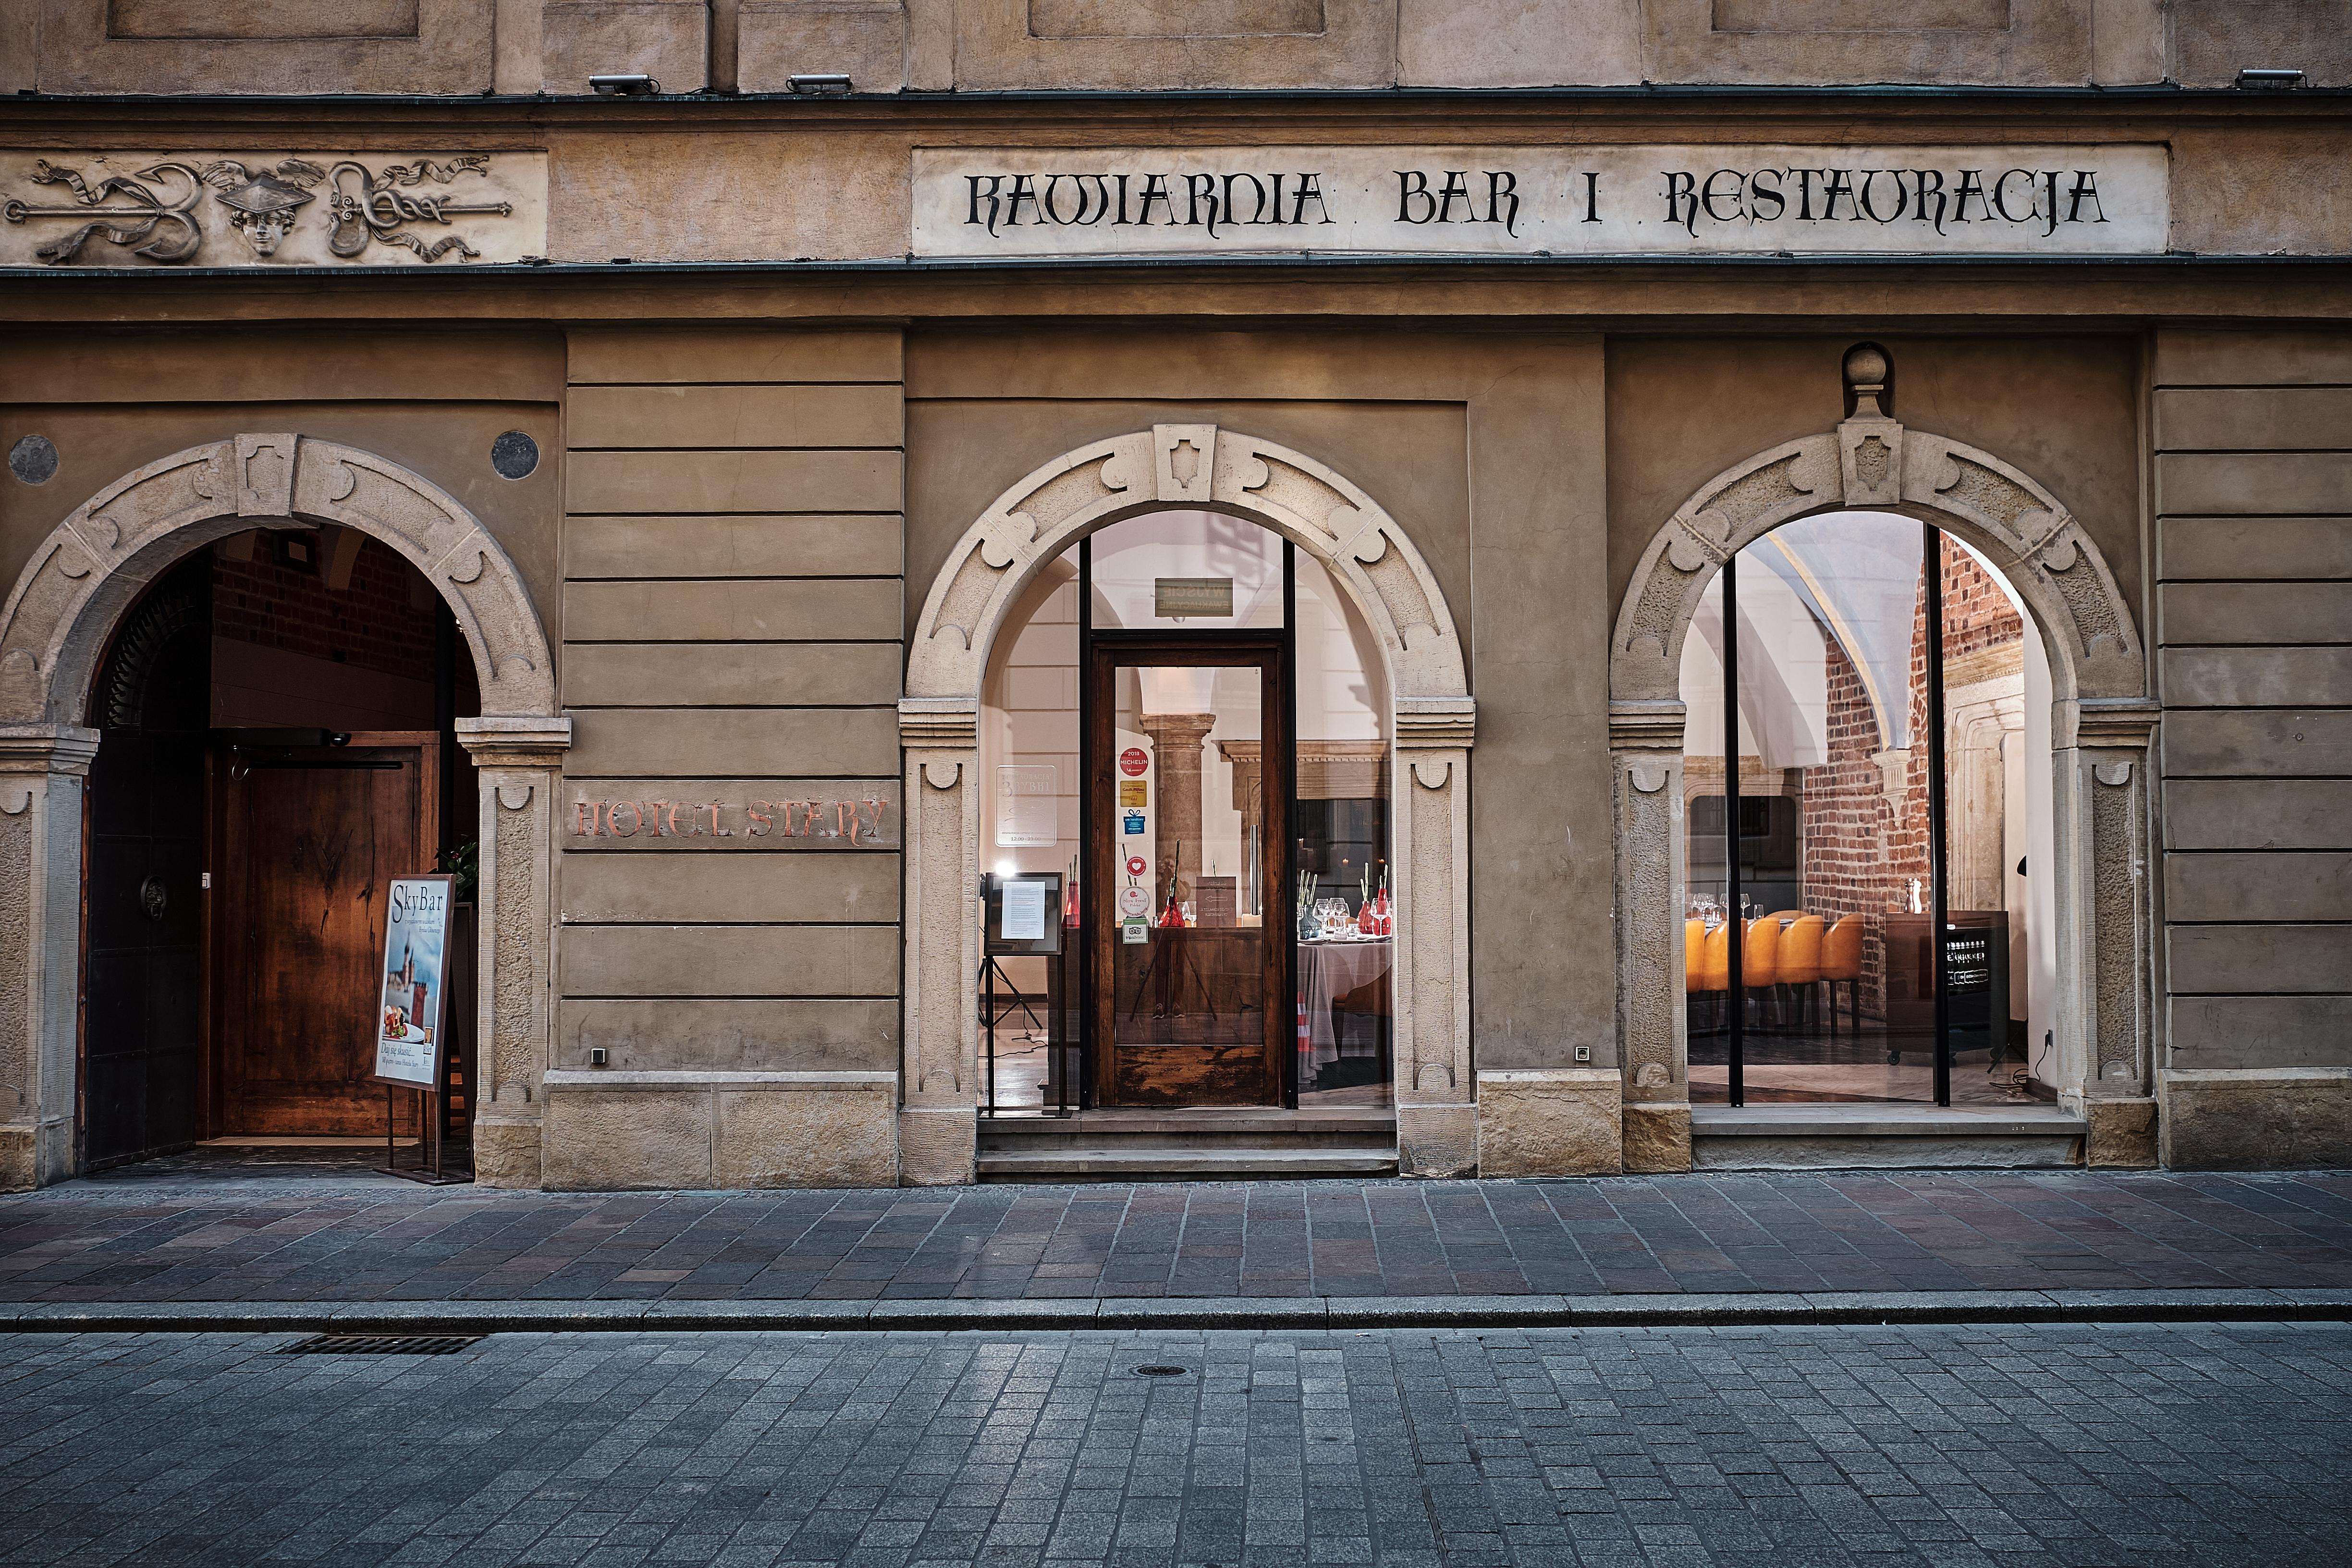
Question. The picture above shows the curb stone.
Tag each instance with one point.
(1663, 1310)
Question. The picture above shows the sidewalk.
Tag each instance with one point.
(156, 1246)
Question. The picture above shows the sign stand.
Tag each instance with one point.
(410, 1052)
(1020, 913)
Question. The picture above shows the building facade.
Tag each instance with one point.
(1595, 586)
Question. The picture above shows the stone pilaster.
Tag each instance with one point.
(938, 1112)
(517, 759)
(1176, 743)
(1436, 1094)
(2101, 755)
(1645, 745)
(41, 771)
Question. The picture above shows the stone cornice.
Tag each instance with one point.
(938, 723)
(1646, 726)
(1424, 723)
(516, 742)
(2126, 722)
(46, 748)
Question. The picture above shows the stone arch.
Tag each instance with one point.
(2102, 727)
(1203, 467)
(54, 630)
(54, 627)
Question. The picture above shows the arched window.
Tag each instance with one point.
(1891, 782)
(1244, 763)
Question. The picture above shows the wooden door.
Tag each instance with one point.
(312, 836)
(1198, 1015)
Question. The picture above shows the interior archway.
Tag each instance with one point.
(1369, 555)
(55, 628)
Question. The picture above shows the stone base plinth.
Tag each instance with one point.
(507, 1154)
(613, 1130)
(938, 1148)
(1657, 1137)
(2123, 1134)
(1437, 1140)
(1551, 1121)
(2271, 1119)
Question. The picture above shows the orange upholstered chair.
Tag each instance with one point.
(1801, 961)
(1717, 970)
(1694, 952)
(1760, 959)
(1841, 961)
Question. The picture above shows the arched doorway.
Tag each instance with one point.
(2101, 721)
(56, 630)
(1368, 557)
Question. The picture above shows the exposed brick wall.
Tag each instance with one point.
(1860, 853)
(372, 625)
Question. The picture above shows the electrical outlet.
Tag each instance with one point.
(1584, 1053)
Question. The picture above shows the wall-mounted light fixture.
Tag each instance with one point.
(624, 84)
(2270, 80)
(818, 85)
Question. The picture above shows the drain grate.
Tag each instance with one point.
(1161, 1370)
(382, 1345)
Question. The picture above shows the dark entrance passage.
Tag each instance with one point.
(143, 969)
(276, 742)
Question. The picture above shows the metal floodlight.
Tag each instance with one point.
(2270, 80)
(818, 85)
(624, 84)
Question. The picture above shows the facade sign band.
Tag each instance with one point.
(1701, 200)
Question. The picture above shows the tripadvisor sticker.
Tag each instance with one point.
(1136, 932)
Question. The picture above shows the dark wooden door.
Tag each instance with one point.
(143, 908)
(312, 836)
(1199, 1014)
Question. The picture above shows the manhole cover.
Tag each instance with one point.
(382, 1345)
(1160, 1371)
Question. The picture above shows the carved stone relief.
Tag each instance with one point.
(1049, 509)
(240, 209)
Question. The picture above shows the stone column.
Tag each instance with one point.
(1645, 745)
(1436, 1095)
(2101, 754)
(514, 908)
(938, 1109)
(41, 771)
(1176, 740)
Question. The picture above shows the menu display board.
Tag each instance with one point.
(409, 1001)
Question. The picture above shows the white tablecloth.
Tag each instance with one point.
(1327, 971)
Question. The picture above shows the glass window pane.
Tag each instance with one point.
(1835, 991)
(1339, 823)
(1987, 840)
(1187, 570)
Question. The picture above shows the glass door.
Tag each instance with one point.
(1189, 935)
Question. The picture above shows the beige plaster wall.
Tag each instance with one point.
(731, 595)
(466, 46)
(2063, 409)
(1487, 448)
(430, 402)
(2253, 629)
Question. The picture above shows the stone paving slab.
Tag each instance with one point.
(1715, 1234)
(2185, 1445)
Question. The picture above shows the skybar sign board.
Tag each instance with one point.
(1712, 200)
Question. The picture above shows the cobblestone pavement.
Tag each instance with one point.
(2099, 1445)
(130, 1238)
